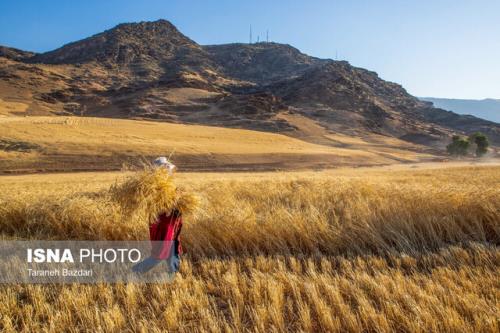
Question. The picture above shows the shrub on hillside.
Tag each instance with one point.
(481, 142)
(458, 146)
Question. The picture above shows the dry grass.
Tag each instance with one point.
(188, 96)
(104, 135)
(347, 250)
(76, 143)
(7, 107)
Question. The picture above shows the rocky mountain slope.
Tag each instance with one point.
(150, 70)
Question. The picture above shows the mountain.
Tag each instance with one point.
(261, 63)
(488, 108)
(125, 44)
(14, 54)
(150, 70)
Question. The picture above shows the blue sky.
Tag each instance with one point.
(439, 48)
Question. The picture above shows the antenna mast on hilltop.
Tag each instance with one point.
(250, 40)
(267, 36)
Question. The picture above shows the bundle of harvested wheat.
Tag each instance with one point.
(150, 192)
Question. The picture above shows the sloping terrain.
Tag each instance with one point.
(150, 70)
(39, 144)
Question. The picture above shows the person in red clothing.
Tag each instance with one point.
(166, 240)
(164, 235)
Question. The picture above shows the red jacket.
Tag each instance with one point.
(165, 235)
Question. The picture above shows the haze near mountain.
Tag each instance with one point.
(488, 108)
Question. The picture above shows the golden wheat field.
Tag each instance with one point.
(351, 250)
(38, 144)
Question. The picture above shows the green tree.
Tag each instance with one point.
(458, 146)
(481, 141)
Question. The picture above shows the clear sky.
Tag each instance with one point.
(441, 48)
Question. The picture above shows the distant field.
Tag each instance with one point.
(93, 181)
(388, 249)
(31, 144)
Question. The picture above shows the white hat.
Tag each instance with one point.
(163, 162)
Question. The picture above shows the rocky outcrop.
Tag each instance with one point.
(136, 70)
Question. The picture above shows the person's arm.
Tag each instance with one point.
(153, 230)
(171, 232)
(178, 238)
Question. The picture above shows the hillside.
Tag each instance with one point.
(29, 144)
(488, 108)
(150, 70)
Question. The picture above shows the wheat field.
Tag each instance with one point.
(351, 250)
(39, 144)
